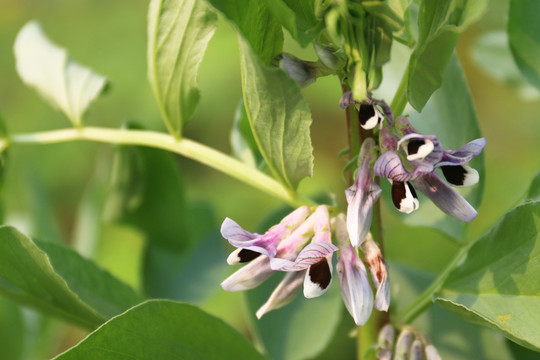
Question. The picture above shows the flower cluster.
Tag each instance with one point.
(302, 245)
(410, 344)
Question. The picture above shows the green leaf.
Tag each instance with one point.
(11, 330)
(147, 192)
(498, 284)
(59, 281)
(534, 189)
(280, 118)
(492, 53)
(256, 24)
(178, 33)
(243, 143)
(451, 115)
(440, 24)
(306, 326)
(454, 338)
(524, 38)
(298, 17)
(46, 67)
(161, 329)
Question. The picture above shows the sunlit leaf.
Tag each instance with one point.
(498, 284)
(178, 33)
(161, 329)
(59, 281)
(440, 24)
(46, 67)
(492, 53)
(524, 37)
(243, 143)
(280, 118)
(451, 115)
(454, 338)
(255, 23)
(298, 17)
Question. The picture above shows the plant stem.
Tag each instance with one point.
(426, 298)
(400, 98)
(185, 147)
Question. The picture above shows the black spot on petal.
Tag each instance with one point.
(246, 255)
(398, 193)
(411, 189)
(365, 113)
(319, 273)
(413, 146)
(455, 175)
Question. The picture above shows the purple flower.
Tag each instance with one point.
(361, 196)
(369, 115)
(423, 155)
(355, 289)
(281, 248)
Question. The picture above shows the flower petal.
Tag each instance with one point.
(404, 197)
(369, 116)
(249, 276)
(446, 198)
(318, 278)
(379, 274)
(460, 175)
(464, 154)
(303, 72)
(360, 208)
(389, 165)
(309, 255)
(421, 147)
(241, 256)
(284, 293)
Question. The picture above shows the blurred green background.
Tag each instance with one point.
(44, 185)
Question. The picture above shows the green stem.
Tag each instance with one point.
(400, 98)
(425, 300)
(185, 147)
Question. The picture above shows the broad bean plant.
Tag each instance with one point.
(317, 278)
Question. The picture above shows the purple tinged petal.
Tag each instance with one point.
(354, 283)
(284, 293)
(309, 255)
(267, 243)
(379, 274)
(403, 126)
(353, 280)
(464, 154)
(360, 208)
(249, 276)
(347, 100)
(403, 344)
(303, 72)
(387, 140)
(389, 165)
(446, 198)
(432, 353)
(417, 350)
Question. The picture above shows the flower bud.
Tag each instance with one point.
(403, 345)
(303, 72)
(417, 350)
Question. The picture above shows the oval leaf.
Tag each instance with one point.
(280, 118)
(498, 284)
(46, 67)
(59, 281)
(298, 17)
(256, 24)
(524, 38)
(161, 329)
(440, 24)
(178, 33)
(451, 115)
